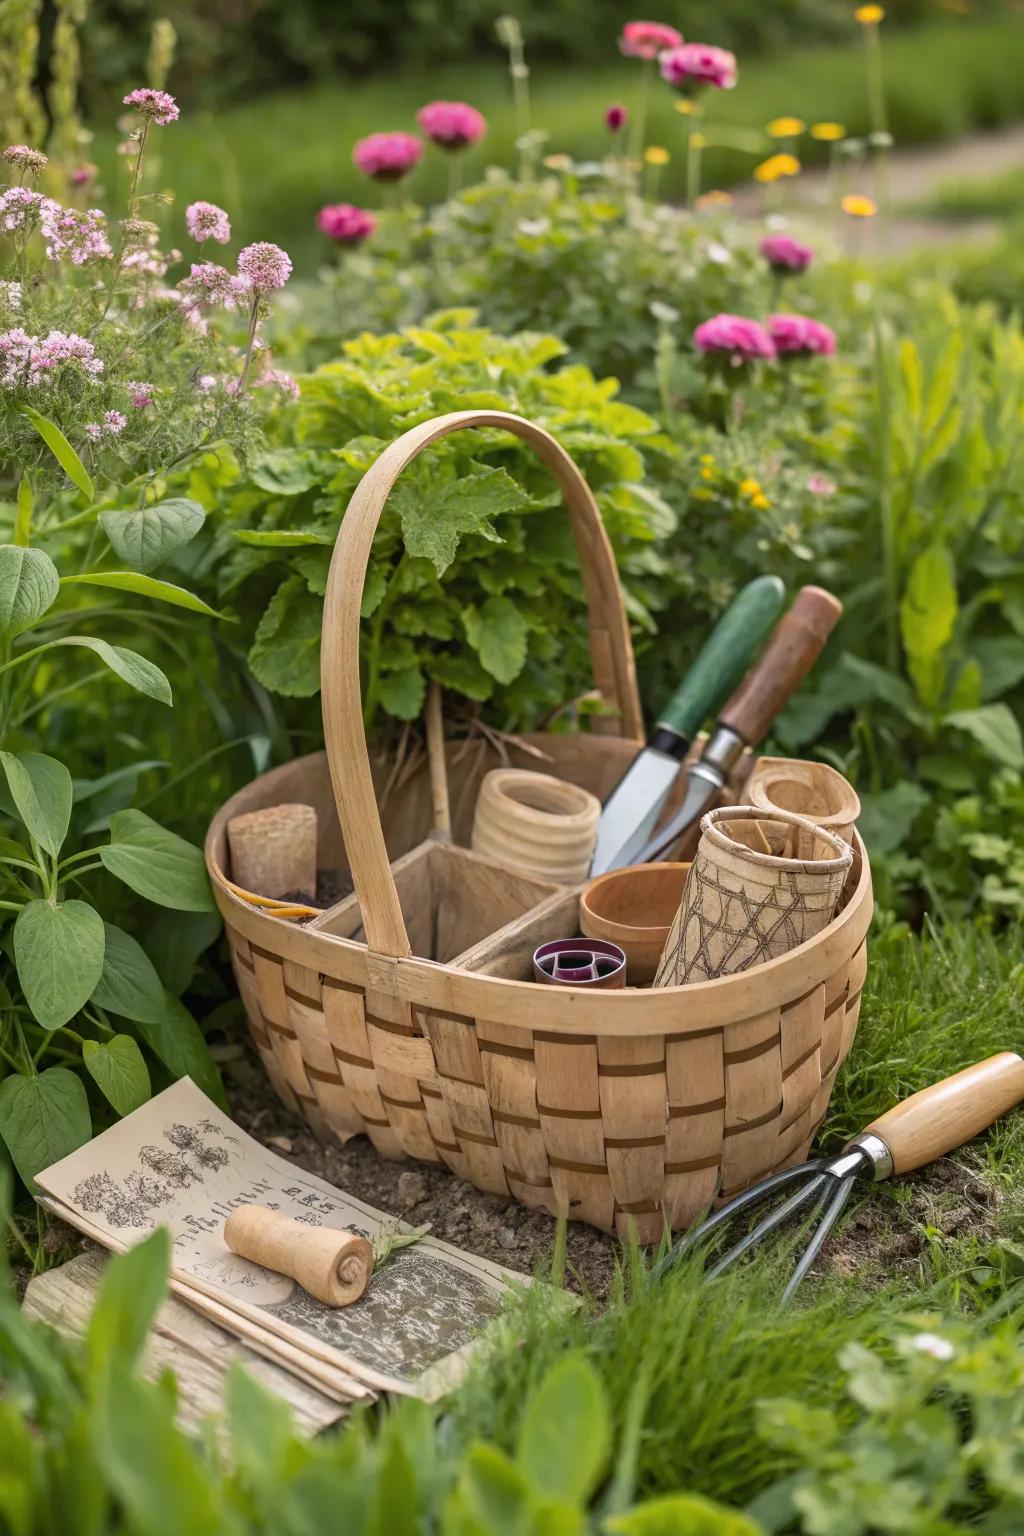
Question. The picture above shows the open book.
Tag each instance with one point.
(179, 1162)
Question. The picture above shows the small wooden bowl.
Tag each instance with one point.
(634, 908)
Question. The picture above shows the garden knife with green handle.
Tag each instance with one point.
(632, 810)
(795, 646)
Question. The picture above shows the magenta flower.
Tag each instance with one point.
(158, 106)
(82, 175)
(26, 158)
(276, 378)
(615, 118)
(452, 124)
(740, 339)
(205, 221)
(646, 39)
(796, 334)
(697, 64)
(19, 206)
(264, 266)
(346, 223)
(821, 485)
(139, 394)
(207, 283)
(784, 254)
(388, 156)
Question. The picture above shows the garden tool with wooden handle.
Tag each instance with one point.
(795, 645)
(920, 1129)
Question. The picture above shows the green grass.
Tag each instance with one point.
(989, 197)
(274, 160)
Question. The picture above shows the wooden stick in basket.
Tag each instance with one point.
(332, 1265)
(438, 766)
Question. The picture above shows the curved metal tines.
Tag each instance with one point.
(740, 1202)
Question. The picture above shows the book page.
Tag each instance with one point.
(181, 1163)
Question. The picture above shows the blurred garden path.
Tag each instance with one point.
(916, 176)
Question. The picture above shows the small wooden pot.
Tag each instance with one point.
(634, 908)
(536, 824)
(813, 790)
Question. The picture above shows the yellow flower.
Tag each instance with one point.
(698, 141)
(715, 199)
(869, 15)
(655, 155)
(786, 127)
(859, 207)
(828, 133)
(708, 472)
(760, 502)
(687, 107)
(750, 487)
(775, 166)
(707, 458)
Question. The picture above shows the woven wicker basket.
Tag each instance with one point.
(617, 1108)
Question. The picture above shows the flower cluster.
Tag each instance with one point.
(205, 221)
(646, 39)
(799, 334)
(157, 106)
(82, 237)
(20, 208)
(264, 267)
(615, 118)
(452, 124)
(207, 283)
(784, 254)
(31, 362)
(738, 338)
(698, 64)
(113, 423)
(26, 159)
(346, 223)
(387, 156)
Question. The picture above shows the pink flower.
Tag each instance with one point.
(646, 39)
(346, 223)
(35, 362)
(264, 266)
(139, 395)
(276, 378)
(209, 284)
(25, 158)
(158, 106)
(388, 156)
(82, 175)
(794, 334)
(697, 64)
(206, 383)
(205, 221)
(615, 118)
(784, 254)
(452, 124)
(741, 339)
(81, 237)
(19, 206)
(114, 422)
(821, 485)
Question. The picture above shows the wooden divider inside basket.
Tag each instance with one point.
(451, 900)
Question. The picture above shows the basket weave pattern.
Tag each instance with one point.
(617, 1108)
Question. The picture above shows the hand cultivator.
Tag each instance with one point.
(924, 1127)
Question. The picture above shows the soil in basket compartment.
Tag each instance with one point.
(332, 885)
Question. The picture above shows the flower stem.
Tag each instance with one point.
(638, 130)
(253, 322)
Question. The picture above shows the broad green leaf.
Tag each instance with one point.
(41, 791)
(497, 632)
(23, 521)
(132, 1288)
(147, 537)
(42, 1119)
(88, 789)
(58, 949)
(156, 863)
(494, 1488)
(927, 616)
(285, 471)
(29, 585)
(565, 1432)
(910, 372)
(681, 1514)
(402, 693)
(434, 524)
(177, 1041)
(285, 654)
(886, 818)
(129, 985)
(995, 729)
(863, 682)
(1002, 664)
(137, 671)
(143, 586)
(281, 538)
(62, 451)
(175, 942)
(117, 1067)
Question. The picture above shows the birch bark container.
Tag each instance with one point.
(814, 790)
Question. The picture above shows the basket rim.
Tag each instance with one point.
(444, 988)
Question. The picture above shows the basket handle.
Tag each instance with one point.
(611, 649)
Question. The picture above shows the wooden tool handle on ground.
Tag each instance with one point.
(940, 1118)
(332, 1265)
(796, 643)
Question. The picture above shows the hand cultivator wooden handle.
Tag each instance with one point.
(940, 1118)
